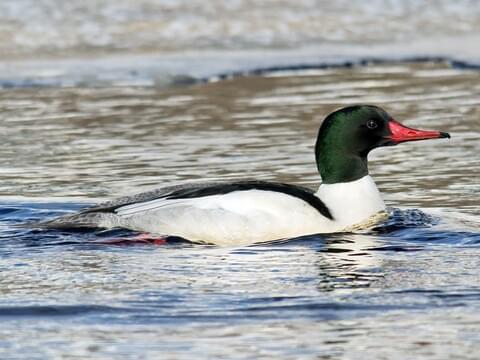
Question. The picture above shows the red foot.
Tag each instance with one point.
(143, 239)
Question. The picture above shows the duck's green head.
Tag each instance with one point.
(349, 134)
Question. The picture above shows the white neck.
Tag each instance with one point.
(353, 202)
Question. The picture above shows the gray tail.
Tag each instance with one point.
(71, 221)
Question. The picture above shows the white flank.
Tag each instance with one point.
(246, 217)
(239, 217)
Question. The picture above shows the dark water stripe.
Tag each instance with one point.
(453, 63)
(184, 79)
(58, 310)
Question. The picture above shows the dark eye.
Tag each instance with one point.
(372, 124)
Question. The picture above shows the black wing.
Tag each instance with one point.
(189, 191)
(91, 217)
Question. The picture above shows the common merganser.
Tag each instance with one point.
(246, 212)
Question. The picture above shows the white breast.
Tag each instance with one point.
(352, 202)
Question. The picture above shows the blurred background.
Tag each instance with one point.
(62, 28)
(164, 38)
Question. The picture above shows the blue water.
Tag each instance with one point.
(323, 292)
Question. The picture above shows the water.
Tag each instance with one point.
(116, 106)
(409, 285)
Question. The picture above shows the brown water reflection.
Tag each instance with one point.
(104, 142)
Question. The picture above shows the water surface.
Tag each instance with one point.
(410, 285)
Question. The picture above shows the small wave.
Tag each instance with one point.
(407, 218)
(414, 225)
(57, 310)
(346, 64)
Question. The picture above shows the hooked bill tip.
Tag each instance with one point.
(444, 135)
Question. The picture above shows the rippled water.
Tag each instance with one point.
(408, 286)
(104, 142)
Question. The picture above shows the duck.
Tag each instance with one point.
(251, 211)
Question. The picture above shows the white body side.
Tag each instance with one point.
(246, 217)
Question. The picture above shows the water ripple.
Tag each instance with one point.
(415, 275)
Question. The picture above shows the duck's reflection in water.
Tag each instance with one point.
(349, 261)
(340, 261)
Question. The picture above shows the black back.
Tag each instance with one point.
(190, 191)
